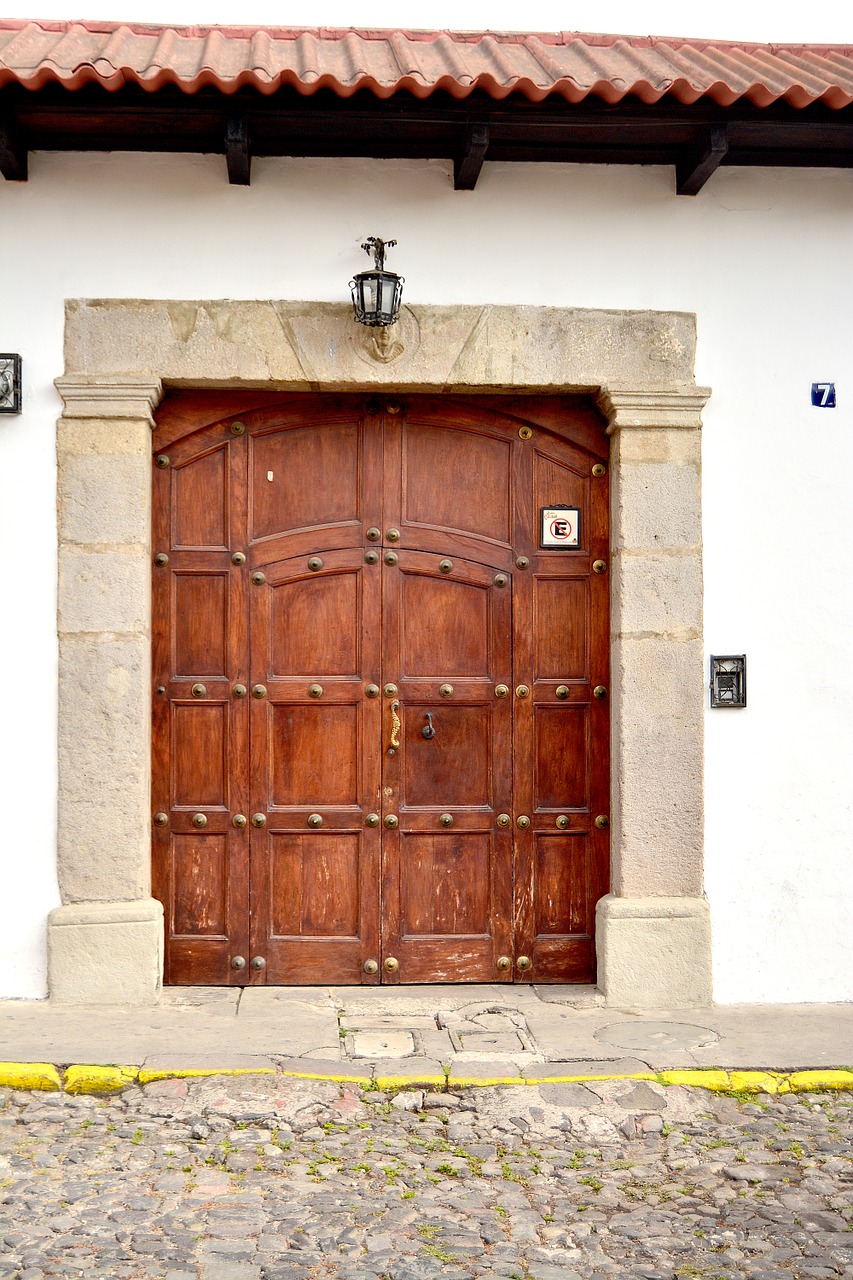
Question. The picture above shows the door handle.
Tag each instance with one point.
(428, 731)
(395, 726)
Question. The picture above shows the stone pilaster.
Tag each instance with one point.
(653, 933)
(107, 936)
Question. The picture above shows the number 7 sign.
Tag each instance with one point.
(823, 395)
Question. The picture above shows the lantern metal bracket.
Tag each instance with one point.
(377, 246)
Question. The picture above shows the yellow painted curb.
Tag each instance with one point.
(585, 1079)
(818, 1081)
(409, 1082)
(711, 1078)
(757, 1081)
(88, 1078)
(695, 1078)
(93, 1079)
(29, 1075)
(486, 1082)
(332, 1077)
(147, 1076)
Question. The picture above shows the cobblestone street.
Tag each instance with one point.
(269, 1178)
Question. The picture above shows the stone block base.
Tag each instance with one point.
(654, 953)
(106, 952)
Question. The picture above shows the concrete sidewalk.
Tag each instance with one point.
(459, 1033)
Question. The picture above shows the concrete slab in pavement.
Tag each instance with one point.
(462, 1030)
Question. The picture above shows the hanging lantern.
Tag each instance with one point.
(376, 294)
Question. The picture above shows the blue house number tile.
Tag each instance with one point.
(823, 395)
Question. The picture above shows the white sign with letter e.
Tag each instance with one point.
(560, 527)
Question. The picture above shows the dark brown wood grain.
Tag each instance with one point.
(447, 630)
(441, 598)
(246, 123)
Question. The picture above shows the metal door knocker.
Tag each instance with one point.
(428, 731)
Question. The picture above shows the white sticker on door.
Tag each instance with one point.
(560, 527)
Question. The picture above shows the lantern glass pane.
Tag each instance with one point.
(370, 299)
(386, 302)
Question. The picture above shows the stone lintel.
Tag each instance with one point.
(304, 346)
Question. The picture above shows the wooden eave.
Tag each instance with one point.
(692, 138)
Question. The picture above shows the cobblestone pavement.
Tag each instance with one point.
(269, 1178)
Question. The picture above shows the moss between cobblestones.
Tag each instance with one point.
(89, 1078)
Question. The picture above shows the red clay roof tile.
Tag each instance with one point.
(562, 64)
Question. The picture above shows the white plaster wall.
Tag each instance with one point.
(762, 257)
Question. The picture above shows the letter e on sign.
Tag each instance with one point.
(559, 527)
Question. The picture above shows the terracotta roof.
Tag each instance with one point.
(563, 64)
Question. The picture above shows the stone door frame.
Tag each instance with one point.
(105, 942)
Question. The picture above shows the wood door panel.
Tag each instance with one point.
(200, 773)
(200, 506)
(315, 906)
(302, 618)
(305, 478)
(561, 638)
(561, 628)
(447, 894)
(314, 892)
(449, 479)
(564, 878)
(312, 753)
(314, 885)
(442, 627)
(456, 767)
(445, 628)
(199, 886)
(561, 762)
(315, 626)
(200, 636)
(200, 624)
(563, 959)
(557, 483)
(446, 884)
(439, 465)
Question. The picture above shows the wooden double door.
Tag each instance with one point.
(380, 721)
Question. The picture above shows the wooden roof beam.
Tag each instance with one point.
(238, 156)
(695, 167)
(466, 168)
(13, 151)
